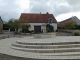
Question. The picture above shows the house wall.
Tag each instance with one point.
(1, 26)
(40, 24)
(77, 20)
(55, 26)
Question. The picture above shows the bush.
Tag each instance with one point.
(6, 26)
(25, 31)
(58, 27)
(76, 33)
(48, 29)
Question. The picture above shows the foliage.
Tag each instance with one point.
(77, 26)
(76, 33)
(49, 28)
(58, 27)
(68, 25)
(18, 23)
(13, 23)
(6, 26)
(24, 25)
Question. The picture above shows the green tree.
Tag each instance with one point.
(68, 25)
(18, 24)
(14, 23)
(6, 26)
(24, 25)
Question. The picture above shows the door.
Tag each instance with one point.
(37, 29)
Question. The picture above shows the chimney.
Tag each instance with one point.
(47, 13)
(40, 12)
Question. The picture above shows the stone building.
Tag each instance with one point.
(1, 26)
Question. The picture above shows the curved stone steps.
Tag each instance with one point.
(62, 54)
(47, 43)
(56, 50)
(46, 46)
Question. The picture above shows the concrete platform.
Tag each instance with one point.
(6, 44)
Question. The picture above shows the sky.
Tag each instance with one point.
(61, 9)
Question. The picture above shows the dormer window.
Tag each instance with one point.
(50, 20)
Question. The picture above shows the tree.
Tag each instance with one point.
(6, 26)
(77, 26)
(68, 25)
(14, 23)
(24, 25)
(18, 24)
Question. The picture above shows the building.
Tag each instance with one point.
(1, 25)
(74, 18)
(37, 20)
(4, 22)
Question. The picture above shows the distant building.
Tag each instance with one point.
(1, 25)
(37, 20)
(4, 22)
(74, 18)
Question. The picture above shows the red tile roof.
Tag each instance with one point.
(37, 18)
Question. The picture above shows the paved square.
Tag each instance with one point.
(67, 47)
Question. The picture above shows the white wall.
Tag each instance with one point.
(55, 26)
(37, 24)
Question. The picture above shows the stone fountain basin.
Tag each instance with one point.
(45, 35)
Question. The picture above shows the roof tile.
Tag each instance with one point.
(37, 18)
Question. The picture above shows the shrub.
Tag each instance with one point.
(6, 26)
(76, 33)
(48, 29)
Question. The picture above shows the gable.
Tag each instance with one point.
(72, 18)
(37, 18)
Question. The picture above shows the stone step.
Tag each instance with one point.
(46, 46)
(57, 50)
(46, 43)
(62, 54)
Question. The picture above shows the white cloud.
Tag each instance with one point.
(61, 9)
(68, 15)
(23, 4)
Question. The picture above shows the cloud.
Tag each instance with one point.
(8, 9)
(75, 4)
(55, 7)
(13, 8)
